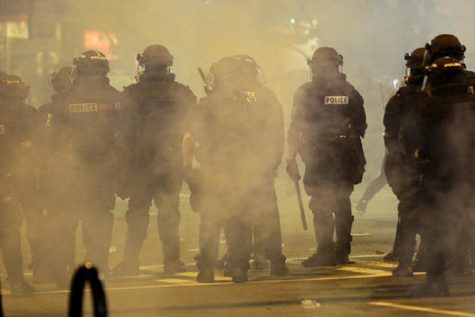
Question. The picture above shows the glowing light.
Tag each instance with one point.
(293, 21)
(101, 41)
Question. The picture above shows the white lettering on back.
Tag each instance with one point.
(82, 107)
(337, 100)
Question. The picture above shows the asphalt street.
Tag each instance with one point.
(363, 289)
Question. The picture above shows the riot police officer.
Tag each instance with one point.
(328, 122)
(87, 158)
(446, 152)
(61, 82)
(158, 109)
(447, 45)
(239, 131)
(401, 166)
(45, 200)
(18, 123)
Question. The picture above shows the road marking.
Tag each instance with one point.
(423, 309)
(362, 270)
(175, 281)
(362, 256)
(382, 264)
(219, 281)
(187, 274)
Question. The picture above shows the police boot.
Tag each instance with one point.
(239, 275)
(343, 239)
(205, 269)
(403, 270)
(343, 254)
(171, 255)
(323, 257)
(278, 267)
(205, 276)
(324, 227)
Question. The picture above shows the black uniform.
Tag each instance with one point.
(158, 109)
(401, 165)
(327, 124)
(18, 123)
(86, 167)
(447, 142)
(240, 137)
(45, 200)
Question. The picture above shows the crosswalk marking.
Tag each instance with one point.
(362, 270)
(423, 309)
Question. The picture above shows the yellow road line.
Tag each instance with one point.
(362, 270)
(175, 281)
(219, 281)
(423, 309)
(381, 264)
(187, 274)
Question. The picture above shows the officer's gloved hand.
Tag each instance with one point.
(293, 169)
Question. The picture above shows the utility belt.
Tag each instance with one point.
(347, 148)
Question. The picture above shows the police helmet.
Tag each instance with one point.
(155, 55)
(416, 58)
(241, 69)
(446, 65)
(13, 87)
(61, 78)
(326, 55)
(91, 63)
(446, 45)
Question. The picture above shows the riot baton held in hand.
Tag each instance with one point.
(302, 210)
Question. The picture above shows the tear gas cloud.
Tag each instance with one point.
(372, 35)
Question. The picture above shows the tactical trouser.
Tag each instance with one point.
(438, 233)
(240, 242)
(408, 226)
(164, 190)
(88, 199)
(33, 212)
(266, 223)
(212, 220)
(10, 240)
(62, 234)
(331, 207)
(231, 214)
(96, 228)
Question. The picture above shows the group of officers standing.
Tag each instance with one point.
(64, 163)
